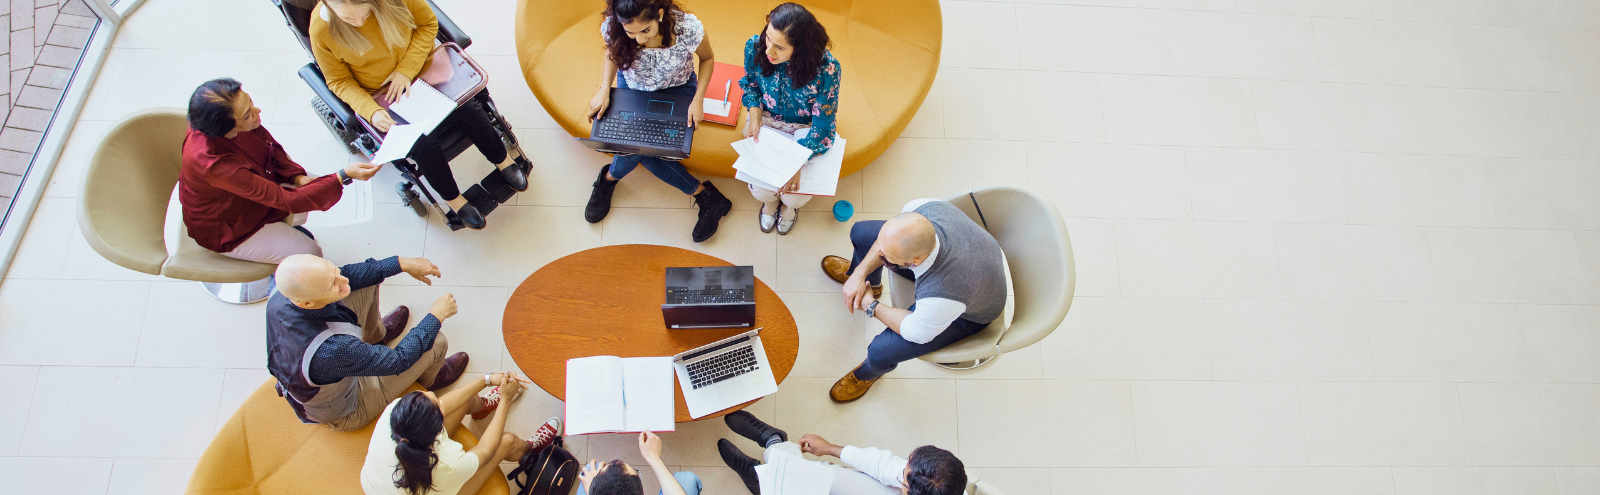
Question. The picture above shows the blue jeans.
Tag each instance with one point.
(668, 171)
(889, 349)
(687, 480)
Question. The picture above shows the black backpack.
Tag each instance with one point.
(550, 471)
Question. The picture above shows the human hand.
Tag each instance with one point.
(399, 86)
(855, 288)
(588, 473)
(444, 307)
(650, 446)
(382, 120)
(511, 386)
(362, 171)
(697, 112)
(419, 268)
(793, 184)
(816, 445)
(598, 104)
(866, 300)
(752, 125)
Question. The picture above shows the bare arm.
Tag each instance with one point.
(856, 292)
(490, 442)
(708, 64)
(602, 95)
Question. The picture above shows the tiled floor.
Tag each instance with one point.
(46, 39)
(1323, 247)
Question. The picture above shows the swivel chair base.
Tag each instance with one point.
(245, 293)
(966, 365)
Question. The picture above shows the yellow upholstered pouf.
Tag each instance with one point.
(265, 449)
(887, 49)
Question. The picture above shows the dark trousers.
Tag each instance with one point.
(670, 172)
(429, 153)
(889, 349)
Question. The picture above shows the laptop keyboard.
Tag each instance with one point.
(677, 295)
(657, 133)
(722, 367)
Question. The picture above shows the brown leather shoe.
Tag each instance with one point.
(395, 323)
(449, 372)
(848, 389)
(838, 269)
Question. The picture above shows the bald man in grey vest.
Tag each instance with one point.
(960, 280)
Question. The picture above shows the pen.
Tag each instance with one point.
(726, 87)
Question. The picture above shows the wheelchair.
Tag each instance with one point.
(360, 137)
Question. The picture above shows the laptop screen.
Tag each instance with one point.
(659, 107)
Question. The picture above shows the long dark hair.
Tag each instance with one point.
(623, 49)
(414, 425)
(935, 471)
(806, 35)
(211, 107)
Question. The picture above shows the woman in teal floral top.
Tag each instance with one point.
(791, 82)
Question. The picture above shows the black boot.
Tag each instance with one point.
(470, 217)
(713, 206)
(600, 198)
(740, 463)
(748, 426)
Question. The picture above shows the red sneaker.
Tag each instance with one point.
(546, 434)
(490, 403)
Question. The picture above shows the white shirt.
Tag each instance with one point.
(456, 466)
(933, 314)
(880, 464)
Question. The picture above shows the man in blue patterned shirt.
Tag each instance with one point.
(336, 362)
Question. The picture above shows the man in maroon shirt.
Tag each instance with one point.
(238, 186)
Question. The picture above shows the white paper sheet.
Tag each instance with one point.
(398, 142)
(773, 160)
(647, 386)
(594, 395)
(717, 107)
(785, 474)
(354, 207)
(423, 106)
(818, 176)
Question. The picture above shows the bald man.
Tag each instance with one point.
(336, 362)
(959, 274)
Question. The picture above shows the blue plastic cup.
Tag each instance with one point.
(843, 210)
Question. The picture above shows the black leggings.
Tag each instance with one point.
(429, 154)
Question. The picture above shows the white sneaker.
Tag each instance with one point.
(786, 223)
(767, 221)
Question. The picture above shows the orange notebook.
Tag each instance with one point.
(724, 95)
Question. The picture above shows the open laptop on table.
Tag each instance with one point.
(724, 373)
(643, 123)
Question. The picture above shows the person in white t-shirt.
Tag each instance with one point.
(929, 471)
(411, 452)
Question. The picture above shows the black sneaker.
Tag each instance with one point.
(600, 198)
(470, 217)
(748, 426)
(713, 206)
(740, 463)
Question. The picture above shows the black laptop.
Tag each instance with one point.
(710, 297)
(643, 123)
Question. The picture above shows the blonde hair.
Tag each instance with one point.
(392, 16)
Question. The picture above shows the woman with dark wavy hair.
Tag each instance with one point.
(651, 46)
(411, 452)
(791, 82)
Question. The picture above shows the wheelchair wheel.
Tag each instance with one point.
(345, 135)
(409, 196)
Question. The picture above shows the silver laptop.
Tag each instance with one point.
(724, 373)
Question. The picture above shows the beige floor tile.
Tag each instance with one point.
(1383, 424)
(897, 415)
(936, 168)
(1093, 39)
(1287, 341)
(1577, 479)
(293, 105)
(1546, 194)
(395, 230)
(1094, 257)
(1530, 424)
(237, 385)
(1036, 106)
(1149, 481)
(1129, 339)
(799, 254)
(1013, 480)
(156, 78)
(518, 241)
(1111, 181)
(1444, 342)
(1353, 262)
(81, 146)
(17, 383)
(1337, 117)
(1265, 185)
(475, 329)
(1500, 265)
(231, 338)
(1178, 111)
(563, 170)
(1589, 261)
(736, 242)
(1528, 59)
(1387, 52)
(491, 24)
(718, 479)
(1561, 342)
(1000, 423)
(1022, 364)
(258, 26)
(695, 443)
(510, 91)
(831, 340)
(70, 404)
(1474, 480)
(1198, 424)
(38, 316)
(315, 149)
(1539, 125)
(1164, 258)
(1483, 12)
(137, 476)
(43, 252)
(1311, 481)
(979, 34)
(1323, 8)
(1243, 45)
(63, 475)
(1417, 190)
(929, 120)
(83, 263)
(1571, 120)
(1449, 121)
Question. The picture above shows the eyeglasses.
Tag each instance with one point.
(889, 264)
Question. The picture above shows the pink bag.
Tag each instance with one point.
(439, 71)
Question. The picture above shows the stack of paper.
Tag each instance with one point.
(785, 474)
(770, 164)
(609, 394)
(423, 106)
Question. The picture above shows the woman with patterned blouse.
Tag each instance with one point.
(791, 82)
(651, 46)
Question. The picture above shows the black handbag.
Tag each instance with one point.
(549, 471)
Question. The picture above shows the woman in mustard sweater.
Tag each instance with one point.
(377, 47)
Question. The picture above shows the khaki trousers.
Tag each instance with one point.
(374, 393)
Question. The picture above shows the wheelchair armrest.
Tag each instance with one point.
(449, 32)
(319, 85)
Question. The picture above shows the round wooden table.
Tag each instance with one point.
(607, 302)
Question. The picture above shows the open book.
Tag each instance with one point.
(609, 394)
(818, 176)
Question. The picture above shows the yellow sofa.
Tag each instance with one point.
(264, 449)
(887, 49)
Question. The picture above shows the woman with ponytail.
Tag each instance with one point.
(411, 452)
